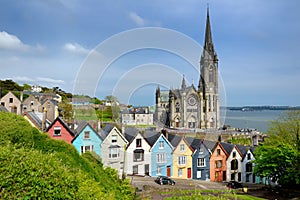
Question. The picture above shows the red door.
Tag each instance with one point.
(168, 171)
(189, 173)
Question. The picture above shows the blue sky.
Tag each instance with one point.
(47, 43)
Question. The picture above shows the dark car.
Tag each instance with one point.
(234, 185)
(164, 180)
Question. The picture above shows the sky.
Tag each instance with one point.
(128, 48)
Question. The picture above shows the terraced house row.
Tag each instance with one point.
(150, 153)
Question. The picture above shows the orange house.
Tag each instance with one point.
(59, 130)
(218, 161)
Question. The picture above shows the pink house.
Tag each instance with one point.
(59, 130)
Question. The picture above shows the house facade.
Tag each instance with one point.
(218, 162)
(50, 106)
(138, 156)
(87, 139)
(201, 156)
(11, 103)
(161, 157)
(31, 104)
(59, 130)
(234, 165)
(113, 149)
(137, 116)
(182, 160)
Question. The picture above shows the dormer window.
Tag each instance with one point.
(249, 156)
(234, 154)
(161, 144)
(11, 100)
(114, 139)
(218, 152)
(181, 147)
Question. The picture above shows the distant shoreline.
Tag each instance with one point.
(260, 108)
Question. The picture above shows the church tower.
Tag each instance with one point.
(208, 81)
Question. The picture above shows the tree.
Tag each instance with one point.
(278, 158)
(67, 111)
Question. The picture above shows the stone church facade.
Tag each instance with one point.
(190, 106)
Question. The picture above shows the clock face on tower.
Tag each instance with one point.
(192, 100)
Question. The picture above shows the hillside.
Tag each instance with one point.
(33, 165)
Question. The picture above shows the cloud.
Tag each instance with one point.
(22, 79)
(50, 80)
(75, 48)
(138, 20)
(11, 42)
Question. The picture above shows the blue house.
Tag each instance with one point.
(87, 139)
(161, 157)
(200, 157)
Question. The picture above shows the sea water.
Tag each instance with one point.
(259, 120)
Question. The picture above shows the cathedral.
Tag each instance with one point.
(190, 106)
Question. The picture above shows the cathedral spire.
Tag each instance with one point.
(183, 85)
(208, 43)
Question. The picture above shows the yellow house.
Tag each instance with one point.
(182, 160)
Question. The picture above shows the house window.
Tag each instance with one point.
(249, 156)
(158, 170)
(31, 103)
(249, 167)
(248, 177)
(201, 162)
(135, 169)
(87, 148)
(179, 172)
(234, 164)
(138, 142)
(181, 147)
(114, 152)
(161, 144)
(201, 151)
(199, 174)
(11, 100)
(114, 138)
(234, 154)
(218, 164)
(86, 135)
(232, 176)
(239, 176)
(181, 160)
(3, 104)
(218, 151)
(57, 131)
(161, 157)
(138, 155)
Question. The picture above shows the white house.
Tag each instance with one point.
(234, 165)
(113, 149)
(138, 156)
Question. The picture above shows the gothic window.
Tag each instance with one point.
(177, 107)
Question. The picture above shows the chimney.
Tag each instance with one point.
(219, 138)
(98, 126)
(44, 120)
(123, 128)
(21, 96)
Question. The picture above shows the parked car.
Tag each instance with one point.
(164, 180)
(234, 185)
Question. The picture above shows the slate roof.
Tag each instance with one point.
(130, 134)
(36, 119)
(194, 142)
(106, 130)
(243, 149)
(174, 139)
(227, 147)
(62, 123)
(151, 137)
(80, 127)
(210, 144)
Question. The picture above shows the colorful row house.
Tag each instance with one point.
(149, 153)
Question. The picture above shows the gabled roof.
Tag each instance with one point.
(194, 142)
(168, 142)
(227, 147)
(211, 145)
(130, 134)
(243, 149)
(81, 127)
(174, 139)
(151, 137)
(108, 129)
(34, 119)
(62, 123)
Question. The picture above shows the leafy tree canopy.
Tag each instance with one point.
(278, 157)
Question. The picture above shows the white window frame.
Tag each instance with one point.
(161, 157)
(181, 147)
(179, 172)
(87, 148)
(201, 162)
(87, 135)
(199, 173)
(161, 145)
(113, 155)
(114, 139)
(159, 170)
(181, 160)
(56, 128)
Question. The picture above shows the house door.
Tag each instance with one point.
(168, 171)
(147, 169)
(189, 173)
(224, 175)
